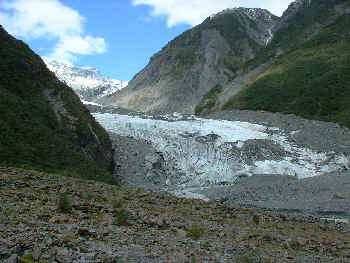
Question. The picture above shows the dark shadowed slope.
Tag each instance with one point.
(43, 124)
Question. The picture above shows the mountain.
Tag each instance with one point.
(87, 82)
(249, 59)
(43, 123)
(199, 64)
(310, 76)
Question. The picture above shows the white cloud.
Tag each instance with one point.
(69, 45)
(50, 19)
(193, 12)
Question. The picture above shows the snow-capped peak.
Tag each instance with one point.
(87, 82)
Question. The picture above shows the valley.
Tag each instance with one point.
(231, 145)
(212, 159)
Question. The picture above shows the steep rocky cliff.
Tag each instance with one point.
(198, 64)
(43, 123)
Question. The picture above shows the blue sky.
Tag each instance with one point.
(131, 35)
(116, 36)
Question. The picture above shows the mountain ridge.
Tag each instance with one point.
(196, 62)
(310, 76)
(202, 69)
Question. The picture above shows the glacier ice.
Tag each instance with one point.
(202, 152)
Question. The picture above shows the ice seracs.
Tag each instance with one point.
(201, 152)
(87, 82)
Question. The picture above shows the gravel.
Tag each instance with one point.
(322, 196)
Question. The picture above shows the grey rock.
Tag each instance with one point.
(36, 253)
(181, 233)
(6, 243)
(11, 259)
(63, 255)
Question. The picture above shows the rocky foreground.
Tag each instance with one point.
(51, 218)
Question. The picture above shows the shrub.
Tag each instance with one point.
(195, 231)
(209, 100)
(64, 203)
(89, 196)
(117, 204)
(256, 219)
(121, 217)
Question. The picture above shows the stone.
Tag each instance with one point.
(301, 241)
(339, 196)
(107, 220)
(69, 237)
(105, 232)
(286, 244)
(4, 251)
(181, 233)
(36, 253)
(83, 249)
(63, 256)
(340, 245)
(86, 232)
(6, 243)
(284, 217)
(267, 238)
(58, 220)
(315, 238)
(11, 259)
(64, 228)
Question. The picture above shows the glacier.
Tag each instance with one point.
(203, 152)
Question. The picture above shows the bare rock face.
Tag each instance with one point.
(189, 67)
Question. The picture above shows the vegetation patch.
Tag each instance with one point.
(64, 203)
(195, 231)
(209, 101)
(304, 23)
(121, 217)
(312, 81)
